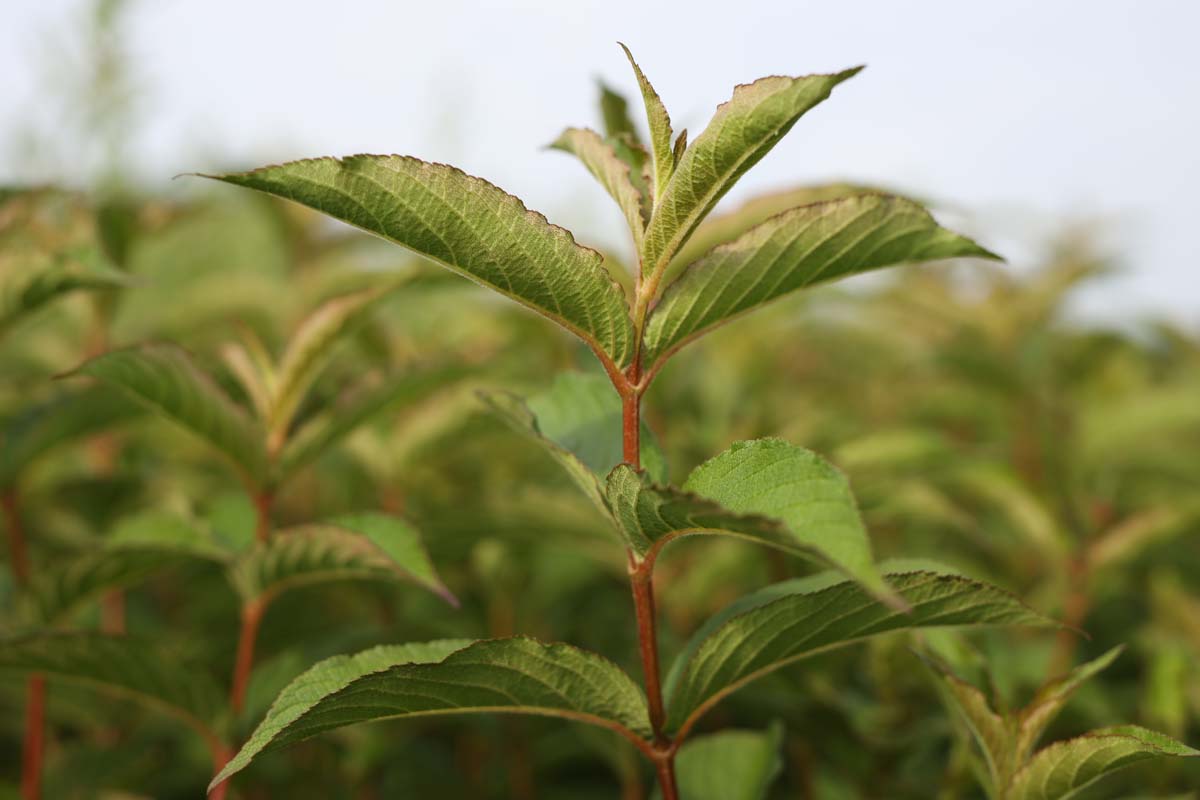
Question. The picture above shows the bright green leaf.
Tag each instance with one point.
(164, 378)
(1051, 698)
(798, 248)
(518, 676)
(808, 495)
(467, 225)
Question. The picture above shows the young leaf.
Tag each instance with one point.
(660, 130)
(310, 349)
(809, 496)
(1051, 698)
(614, 110)
(795, 626)
(327, 428)
(798, 248)
(995, 735)
(469, 226)
(742, 131)
(68, 415)
(138, 668)
(1064, 769)
(730, 765)
(518, 676)
(164, 378)
(364, 546)
(613, 173)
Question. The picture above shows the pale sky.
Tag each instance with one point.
(1019, 116)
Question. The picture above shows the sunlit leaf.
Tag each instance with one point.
(798, 248)
(660, 130)
(742, 131)
(467, 225)
(809, 496)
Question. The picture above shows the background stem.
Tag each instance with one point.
(34, 746)
(252, 613)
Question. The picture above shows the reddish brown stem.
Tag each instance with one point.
(112, 611)
(252, 613)
(34, 746)
(220, 756)
(262, 507)
(631, 428)
(17, 550)
(642, 583)
(665, 768)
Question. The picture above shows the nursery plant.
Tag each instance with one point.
(766, 491)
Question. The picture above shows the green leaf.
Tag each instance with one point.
(164, 378)
(363, 546)
(614, 110)
(515, 412)
(742, 131)
(469, 226)
(808, 495)
(650, 516)
(310, 349)
(995, 735)
(1063, 769)
(792, 627)
(660, 130)
(141, 669)
(1051, 698)
(730, 765)
(63, 418)
(519, 676)
(798, 248)
(724, 227)
(329, 427)
(613, 173)
(81, 271)
(578, 421)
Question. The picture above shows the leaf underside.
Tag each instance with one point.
(467, 225)
(798, 248)
(786, 629)
(518, 675)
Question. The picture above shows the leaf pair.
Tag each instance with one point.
(523, 676)
(764, 491)
(479, 231)
(1063, 769)
(265, 447)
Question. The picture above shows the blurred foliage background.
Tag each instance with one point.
(980, 424)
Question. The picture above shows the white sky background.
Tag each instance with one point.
(1023, 115)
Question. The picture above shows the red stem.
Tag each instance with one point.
(641, 582)
(252, 613)
(220, 756)
(262, 506)
(34, 747)
(17, 550)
